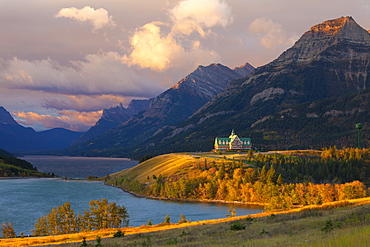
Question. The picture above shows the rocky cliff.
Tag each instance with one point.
(113, 117)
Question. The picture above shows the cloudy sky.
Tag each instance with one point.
(63, 61)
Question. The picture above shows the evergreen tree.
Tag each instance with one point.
(279, 180)
(270, 175)
(263, 174)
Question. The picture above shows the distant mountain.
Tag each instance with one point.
(331, 60)
(18, 139)
(113, 117)
(172, 106)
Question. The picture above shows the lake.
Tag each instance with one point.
(23, 201)
(79, 167)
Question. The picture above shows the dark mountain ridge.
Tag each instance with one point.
(18, 139)
(113, 117)
(172, 106)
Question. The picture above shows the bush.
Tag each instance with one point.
(183, 219)
(237, 226)
(119, 234)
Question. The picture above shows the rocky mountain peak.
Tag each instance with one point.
(244, 69)
(120, 114)
(213, 77)
(202, 84)
(322, 36)
(331, 27)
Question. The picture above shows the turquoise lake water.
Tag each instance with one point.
(23, 201)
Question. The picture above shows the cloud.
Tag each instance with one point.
(158, 51)
(72, 120)
(86, 102)
(270, 33)
(99, 18)
(153, 48)
(207, 13)
(98, 74)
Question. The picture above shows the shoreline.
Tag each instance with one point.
(30, 178)
(190, 200)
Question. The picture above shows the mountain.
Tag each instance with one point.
(113, 117)
(172, 106)
(18, 139)
(330, 61)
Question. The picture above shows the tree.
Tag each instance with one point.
(167, 219)
(8, 231)
(263, 174)
(279, 180)
(270, 175)
(106, 215)
(60, 220)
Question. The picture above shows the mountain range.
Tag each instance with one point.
(176, 104)
(18, 139)
(311, 96)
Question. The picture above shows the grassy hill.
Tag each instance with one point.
(165, 165)
(173, 164)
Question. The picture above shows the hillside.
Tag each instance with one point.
(164, 165)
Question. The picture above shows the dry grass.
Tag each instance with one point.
(300, 226)
(167, 164)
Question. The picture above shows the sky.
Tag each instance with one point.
(63, 61)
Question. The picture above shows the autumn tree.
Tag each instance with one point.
(8, 231)
(103, 214)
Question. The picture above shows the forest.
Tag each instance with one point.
(278, 181)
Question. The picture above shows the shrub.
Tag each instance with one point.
(119, 234)
(183, 219)
(237, 226)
